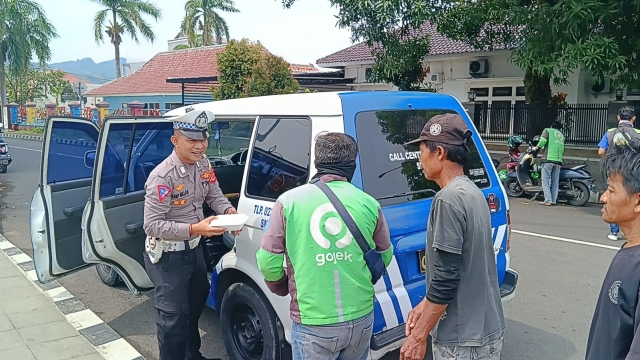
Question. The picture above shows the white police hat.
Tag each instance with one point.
(194, 124)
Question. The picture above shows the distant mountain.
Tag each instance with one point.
(86, 68)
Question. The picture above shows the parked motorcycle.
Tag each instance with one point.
(512, 157)
(576, 183)
(5, 157)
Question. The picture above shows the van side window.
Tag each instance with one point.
(69, 141)
(152, 144)
(112, 178)
(390, 168)
(280, 158)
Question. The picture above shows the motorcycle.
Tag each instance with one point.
(576, 183)
(5, 157)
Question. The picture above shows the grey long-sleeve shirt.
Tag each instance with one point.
(174, 196)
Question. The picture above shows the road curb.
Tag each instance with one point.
(21, 136)
(101, 336)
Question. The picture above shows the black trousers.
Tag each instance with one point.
(180, 295)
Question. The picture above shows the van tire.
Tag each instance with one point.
(108, 275)
(245, 310)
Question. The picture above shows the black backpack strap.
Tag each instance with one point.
(344, 214)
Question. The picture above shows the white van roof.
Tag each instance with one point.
(303, 104)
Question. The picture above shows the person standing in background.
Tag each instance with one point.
(622, 135)
(552, 140)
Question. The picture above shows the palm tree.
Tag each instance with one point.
(24, 31)
(125, 18)
(202, 19)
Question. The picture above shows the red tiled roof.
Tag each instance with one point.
(187, 63)
(74, 79)
(152, 77)
(439, 45)
(302, 69)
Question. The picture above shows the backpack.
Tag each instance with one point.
(623, 135)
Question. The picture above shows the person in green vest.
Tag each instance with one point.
(552, 140)
(332, 294)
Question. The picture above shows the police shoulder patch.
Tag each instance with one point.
(163, 192)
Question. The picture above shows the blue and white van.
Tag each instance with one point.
(88, 208)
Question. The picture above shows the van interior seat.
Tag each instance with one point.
(141, 173)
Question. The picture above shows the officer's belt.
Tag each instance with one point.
(180, 246)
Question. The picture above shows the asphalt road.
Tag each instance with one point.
(548, 319)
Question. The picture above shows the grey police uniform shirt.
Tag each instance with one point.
(174, 196)
(460, 223)
(614, 331)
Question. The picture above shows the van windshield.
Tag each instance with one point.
(389, 168)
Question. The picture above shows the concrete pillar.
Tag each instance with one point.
(12, 111)
(51, 109)
(31, 112)
(103, 111)
(136, 108)
(74, 108)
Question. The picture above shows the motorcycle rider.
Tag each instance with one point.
(624, 134)
(553, 139)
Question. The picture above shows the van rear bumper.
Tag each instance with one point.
(388, 337)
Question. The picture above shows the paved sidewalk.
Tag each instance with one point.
(45, 321)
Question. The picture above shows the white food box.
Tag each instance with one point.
(231, 222)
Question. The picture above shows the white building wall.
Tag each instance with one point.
(456, 81)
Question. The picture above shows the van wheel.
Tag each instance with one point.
(108, 275)
(249, 324)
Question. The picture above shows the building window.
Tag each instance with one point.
(149, 107)
(171, 106)
(520, 91)
(481, 92)
(502, 91)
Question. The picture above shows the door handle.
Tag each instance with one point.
(73, 210)
(132, 228)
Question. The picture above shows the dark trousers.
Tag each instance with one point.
(181, 291)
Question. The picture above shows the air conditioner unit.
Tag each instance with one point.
(435, 79)
(478, 67)
(603, 87)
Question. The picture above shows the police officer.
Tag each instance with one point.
(174, 222)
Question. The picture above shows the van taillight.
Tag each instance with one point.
(508, 230)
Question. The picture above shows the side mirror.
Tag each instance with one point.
(219, 125)
(89, 158)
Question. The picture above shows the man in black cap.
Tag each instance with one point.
(462, 309)
(174, 222)
(623, 135)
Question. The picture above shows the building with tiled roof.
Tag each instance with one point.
(149, 84)
(456, 68)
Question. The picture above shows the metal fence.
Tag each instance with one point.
(582, 124)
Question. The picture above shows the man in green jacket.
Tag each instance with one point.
(325, 273)
(552, 140)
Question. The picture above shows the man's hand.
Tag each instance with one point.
(413, 349)
(233, 210)
(412, 319)
(204, 229)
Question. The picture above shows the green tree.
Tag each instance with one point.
(25, 86)
(235, 64)
(389, 28)
(126, 17)
(24, 31)
(271, 76)
(181, 47)
(202, 19)
(56, 85)
(248, 70)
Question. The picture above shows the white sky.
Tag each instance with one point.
(302, 34)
